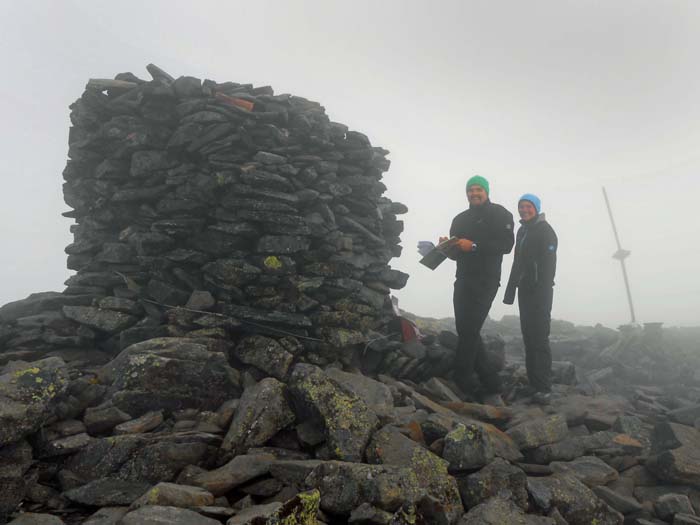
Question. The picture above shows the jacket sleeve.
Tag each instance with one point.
(511, 287)
(509, 296)
(453, 253)
(546, 258)
(502, 240)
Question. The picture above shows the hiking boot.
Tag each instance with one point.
(495, 400)
(523, 392)
(541, 398)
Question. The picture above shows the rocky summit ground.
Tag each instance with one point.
(227, 351)
(190, 430)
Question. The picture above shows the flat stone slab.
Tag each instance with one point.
(107, 492)
(174, 495)
(159, 515)
(538, 432)
(235, 473)
(589, 469)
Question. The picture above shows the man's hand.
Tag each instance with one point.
(442, 239)
(465, 245)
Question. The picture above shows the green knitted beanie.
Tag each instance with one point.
(479, 181)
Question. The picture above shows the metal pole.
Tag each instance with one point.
(620, 255)
(627, 287)
(612, 220)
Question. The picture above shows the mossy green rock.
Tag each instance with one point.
(263, 411)
(344, 486)
(468, 447)
(388, 446)
(300, 510)
(347, 420)
(500, 511)
(576, 502)
(142, 457)
(27, 397)
(539, 431)
(498, 477)
(170, 373)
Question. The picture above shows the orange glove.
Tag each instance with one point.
(465, 245)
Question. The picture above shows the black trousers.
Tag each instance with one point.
(535, 319)
(472, 302)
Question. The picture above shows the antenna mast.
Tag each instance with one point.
(620, 255)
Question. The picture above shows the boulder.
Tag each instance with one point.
(15, 460)
(266, 354)
(107, 516)
(474, 445)
(147, 422)
(680, 465)
(499, 511)
(576, 502)
(620, 502)
(174, 495)
(263, 411)
(367, 514)
(236, 472)
(102, 419)
(300, 509)
(590, 470)
(498, 478)
(107, 492)
(36, 303)
(170, 374)
(255, 514)
(159, 515)
(142, 457)
(28, 397)
(389, 447)
(344, 486)
(668, 505)
(102, 319)
(377, 396)
(347, 420)
(540, 431)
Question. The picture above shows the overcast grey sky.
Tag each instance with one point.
(554, 97)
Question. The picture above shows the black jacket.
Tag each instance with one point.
(490, 226)
(535, 261)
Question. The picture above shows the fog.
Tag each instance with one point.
(553, 97)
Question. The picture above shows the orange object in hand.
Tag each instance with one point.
(465, 245)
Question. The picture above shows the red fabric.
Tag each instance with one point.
(409, 331)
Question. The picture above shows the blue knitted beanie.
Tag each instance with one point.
(534, 199)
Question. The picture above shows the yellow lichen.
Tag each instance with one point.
(272, 262)
(153, 495)
(32, 370)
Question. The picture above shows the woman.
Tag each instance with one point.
(532, 275)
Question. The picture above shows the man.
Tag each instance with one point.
(534, 266)
(483, 234)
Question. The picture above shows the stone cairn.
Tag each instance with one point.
(232, 249)
(226, 198)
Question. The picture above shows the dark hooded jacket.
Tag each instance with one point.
(490, 226)
(535, 261)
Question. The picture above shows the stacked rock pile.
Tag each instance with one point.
(140, 396)
(225, 198)
(170, 432)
